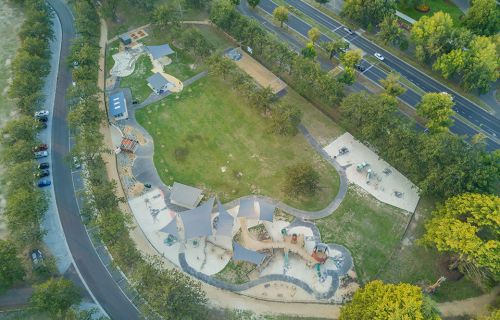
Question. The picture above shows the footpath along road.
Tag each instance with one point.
(465, 108)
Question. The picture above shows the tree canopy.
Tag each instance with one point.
(281, 14)
(55, 296)
(368, 12)
(11, 267)
(301, 180)
(379, 301)
(437, 109)
(468, 226)
(483, 17)
(430, 35)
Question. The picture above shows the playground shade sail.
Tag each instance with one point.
(244, 254)
(197, 222)
(171, 228)
(225, 222)
(160, 51)
(266, 211)
(247, 209)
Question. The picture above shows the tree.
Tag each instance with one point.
(379, 301)
(301, 180)
(285, 119)
(253, 3)
(348, 76)
(314, 34)
(390, 32)
(220, 66)
(167, 16)
(368, 12)
(495, 315)
(195, 42)
(11, 267)
(281, 14)
(431, 34)
(196, 4)
(437, 108)
(483, 17)
(334, 47)
(308, 51)
(391, 85)
(350, 58)
(235, 2)
(55, 296)
(468, 226)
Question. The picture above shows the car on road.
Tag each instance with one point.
(446, 93)
(44, 165)
(42, 173)
(349, 31)
(44, 183)
(41, 154)
(41, 113)
(76, 163)
(379, 56)
(40, 147)
(36, 257)
(360, 67)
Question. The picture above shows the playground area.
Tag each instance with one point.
(370, 172)
(207, 239)
(257, 71)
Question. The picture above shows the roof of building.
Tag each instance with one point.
(266, 211)
(247, 209)
(125, 36)
(225, 222)
(185, 196)
(129, 145)
(171, 228)
(157, 81)
(198, 221)
(160, 51)
(117, 103)
(244, 254)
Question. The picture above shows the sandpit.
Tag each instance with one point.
(385, 182)
(125, 61)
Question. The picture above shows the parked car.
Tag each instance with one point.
(44, 165)
(379, 56)
(43, 118)
(349, 31)
(42, 173)
(76, 163)
(41, 154)
(41, 113)
(360, 67)
(44, 183)
(40, 147)
(36, 257)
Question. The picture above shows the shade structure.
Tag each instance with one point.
(160, 51)
(171, 228)
(197, 222)
(225, 222)
(185, 196)
(247, 209)
(157, 82)
(266, 211)
(244, 254)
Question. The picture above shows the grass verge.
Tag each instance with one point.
(435, 6)
(209, 137)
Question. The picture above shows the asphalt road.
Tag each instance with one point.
(463, 107)
(94, 273)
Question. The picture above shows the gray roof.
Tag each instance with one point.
(160, 51)
(225, 222)
(266, 210)
(157, 81)
(117, 104)
(198, 221)
(244, 254)
(247, 209)
(171, 228)
(185, 196)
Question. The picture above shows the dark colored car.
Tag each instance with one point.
(44, 165)
(42, 173)
(36, 257)
(41, 147)
(43, 119)
(44, 183)
(360, 67)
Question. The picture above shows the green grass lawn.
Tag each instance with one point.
(209, 128)
(219, 41)
(183, 66)
(435, 5)
(370, 229)
(137, 80)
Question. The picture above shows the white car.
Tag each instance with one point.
(446, 93)
(349, 31)
(379, 56)
(42, 113)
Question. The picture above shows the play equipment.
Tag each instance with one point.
(343, 151)
(368, 175)
(361, 166)
(320, 252)
(170, 240)
(234, 54)
(398, 194)
(287, 262)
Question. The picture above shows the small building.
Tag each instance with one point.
(159, 84)
(125, 39)
(118, 106)
(185, 196)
